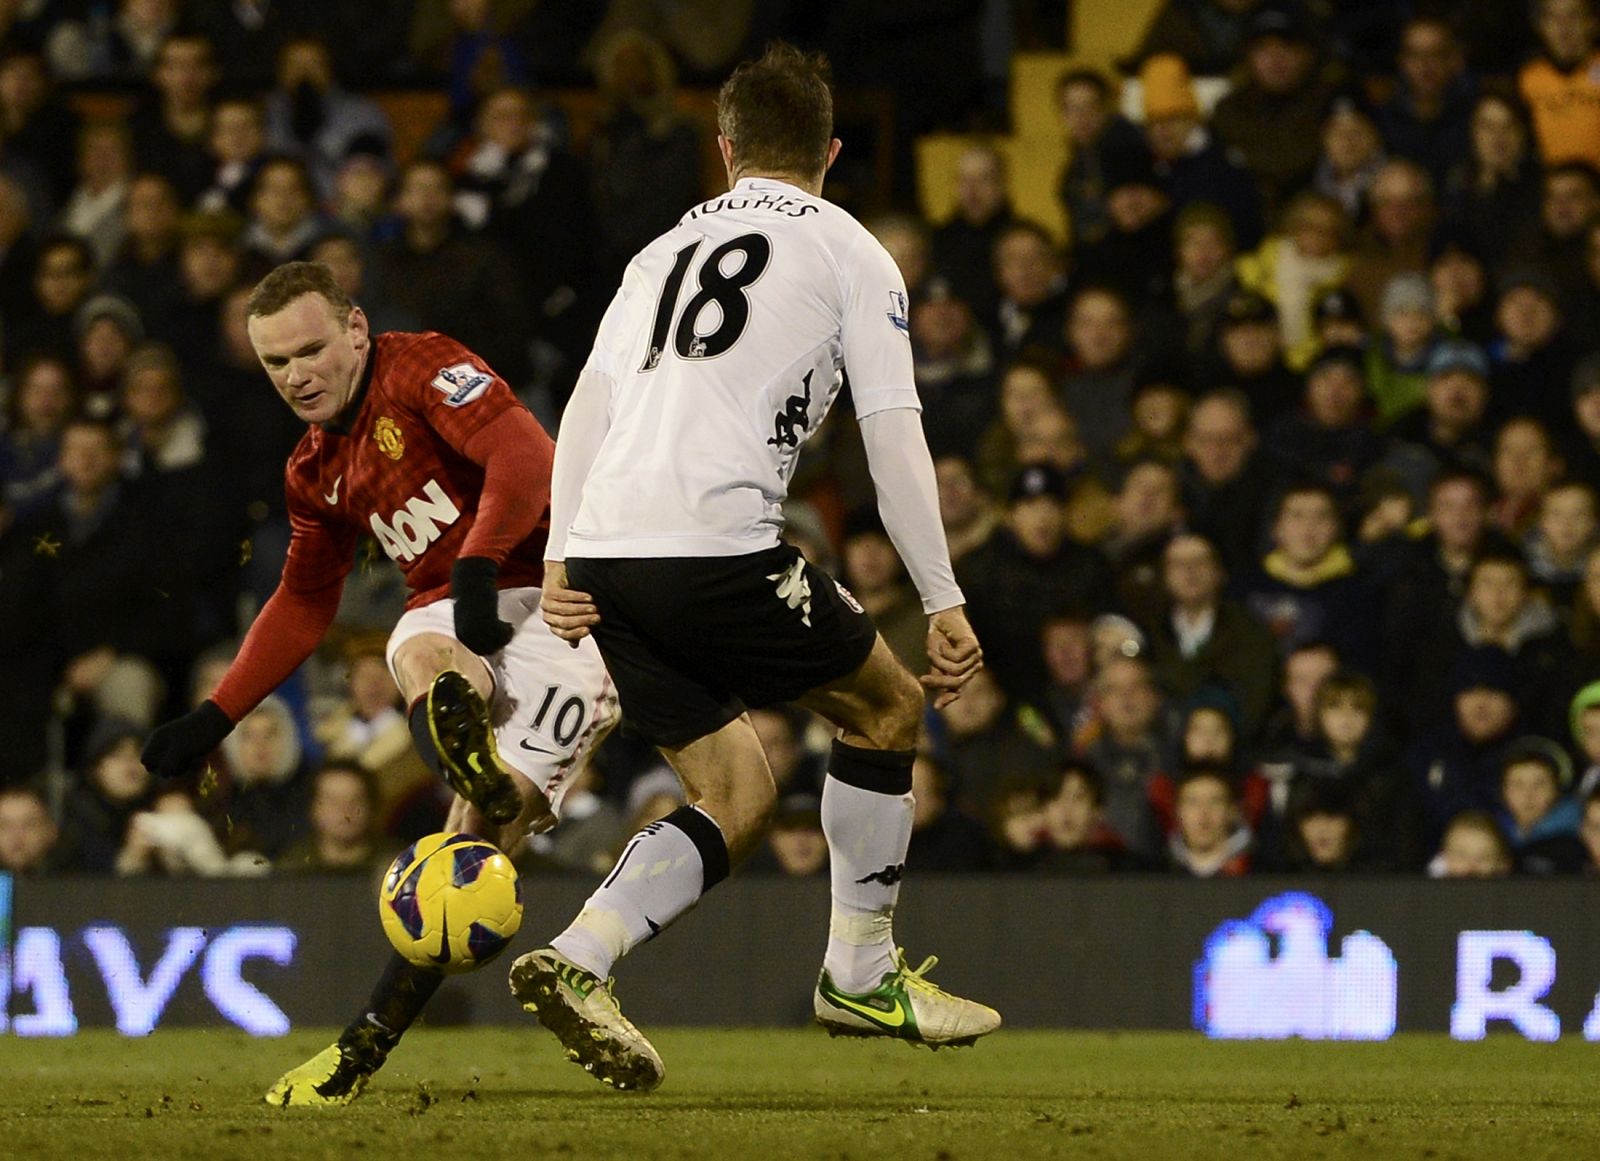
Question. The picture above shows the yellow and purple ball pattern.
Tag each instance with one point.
(450, 902)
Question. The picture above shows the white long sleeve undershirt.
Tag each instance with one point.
(908, 501)
(583, 429)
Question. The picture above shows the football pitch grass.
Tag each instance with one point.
(475, 1095)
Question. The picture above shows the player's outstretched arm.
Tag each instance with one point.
(954, 655)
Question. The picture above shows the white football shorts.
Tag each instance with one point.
(552, 703)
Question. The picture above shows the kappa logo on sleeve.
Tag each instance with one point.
(461, 383)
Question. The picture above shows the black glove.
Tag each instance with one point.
(174, 748)
(478, 623)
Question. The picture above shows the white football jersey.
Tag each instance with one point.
(724, 349)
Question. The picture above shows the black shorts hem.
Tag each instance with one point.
(677, 735)
(692, 642)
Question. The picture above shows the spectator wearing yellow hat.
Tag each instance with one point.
(1196, 166)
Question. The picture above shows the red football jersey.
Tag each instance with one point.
(399, 472)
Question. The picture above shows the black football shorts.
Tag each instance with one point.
(692, 642)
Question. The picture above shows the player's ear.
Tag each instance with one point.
(725, 147)
(833, 153)
(357, 325)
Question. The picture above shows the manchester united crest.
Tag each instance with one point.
(390, 442)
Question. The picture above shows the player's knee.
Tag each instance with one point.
(898, 722)
(423, 657)
(742, 812)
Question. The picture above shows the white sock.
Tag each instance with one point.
(868, 832)
(662, 872)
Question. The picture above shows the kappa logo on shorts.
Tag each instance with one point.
(795, 589)
(461, 383)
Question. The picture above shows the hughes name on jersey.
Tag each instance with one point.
(723, 350)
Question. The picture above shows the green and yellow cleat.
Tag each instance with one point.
(580, 1009)
(904, 1006)
(332, 1078)
(458, 719)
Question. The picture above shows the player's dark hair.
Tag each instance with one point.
(291, 280)
(777, 112)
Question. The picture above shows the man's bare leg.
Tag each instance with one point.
(668, 865)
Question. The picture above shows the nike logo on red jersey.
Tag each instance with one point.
(333, 496)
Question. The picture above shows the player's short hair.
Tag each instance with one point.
(777, 112)
(291, 280)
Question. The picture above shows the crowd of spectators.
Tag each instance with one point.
(1275, 492)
